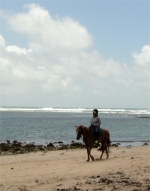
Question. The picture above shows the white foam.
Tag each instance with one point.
(79, 110)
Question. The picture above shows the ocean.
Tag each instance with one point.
(45, 125)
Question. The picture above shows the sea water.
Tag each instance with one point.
(45, 125)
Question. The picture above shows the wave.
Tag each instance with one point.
(77, 110)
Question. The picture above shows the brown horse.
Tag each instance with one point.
(89, 140)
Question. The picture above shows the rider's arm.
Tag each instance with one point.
(91, 121)
(97, 122)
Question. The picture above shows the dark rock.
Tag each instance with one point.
(125, 181)
(4, 147)
(92, 176)
(3, 144)
(39, 146)
(114, 145)
(77, 145)
(8, 141)
(60, 142)
(14, 142)
(50, 145)
(30, 145)
(103, 179)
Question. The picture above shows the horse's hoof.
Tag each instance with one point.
(87, 160)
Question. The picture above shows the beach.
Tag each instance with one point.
(127, 168)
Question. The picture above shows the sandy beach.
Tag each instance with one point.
(128, 168)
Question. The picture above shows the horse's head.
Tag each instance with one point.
(79, 131)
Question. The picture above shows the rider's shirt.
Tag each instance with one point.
(95, 121)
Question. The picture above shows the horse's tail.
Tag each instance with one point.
(108, 142)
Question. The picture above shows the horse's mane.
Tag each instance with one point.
(85, 128)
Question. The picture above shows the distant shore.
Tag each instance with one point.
(143, 117)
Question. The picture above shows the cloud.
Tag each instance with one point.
(17, 50)
(44, 32)
(2, 41)
(144, 57)
(60, 61)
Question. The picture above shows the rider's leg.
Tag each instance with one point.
(96, 134)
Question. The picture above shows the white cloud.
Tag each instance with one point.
(17, 50)
(2, 41)
(143, 58)
(60, 62)
(45, 32)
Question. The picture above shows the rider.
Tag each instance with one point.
(95, 122)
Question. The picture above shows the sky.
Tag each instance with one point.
(71, 53)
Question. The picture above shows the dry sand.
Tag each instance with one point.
(126, 169)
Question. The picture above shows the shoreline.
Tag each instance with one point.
(127, 168)
(15, 147)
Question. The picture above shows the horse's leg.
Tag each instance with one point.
(107, 152)
(101, 139)
(103, 148)
(102, 154)
(90, 153)
(89, 146)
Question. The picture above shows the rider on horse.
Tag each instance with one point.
(95, 124)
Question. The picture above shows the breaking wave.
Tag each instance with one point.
(77, 110)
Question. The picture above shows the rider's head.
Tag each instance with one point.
(95, 112)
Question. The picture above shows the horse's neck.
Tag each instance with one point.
(86, 132)
(85, 129)
(88, 136)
